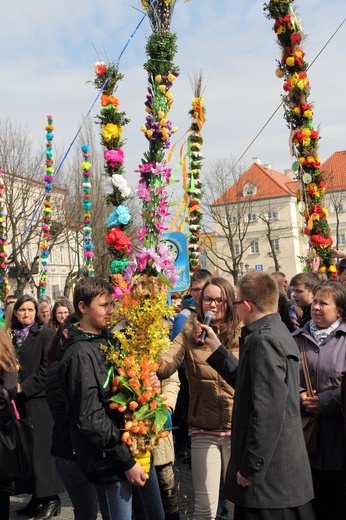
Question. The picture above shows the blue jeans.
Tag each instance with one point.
(147, 503)
(81, 492)
(117, 498)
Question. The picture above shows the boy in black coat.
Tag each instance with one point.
(95, 429)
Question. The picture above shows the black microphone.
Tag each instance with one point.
(209, 316)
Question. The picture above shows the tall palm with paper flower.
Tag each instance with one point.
(151, 266)
(4, 286)
(194, 185)
(112, 123)
(304, 138)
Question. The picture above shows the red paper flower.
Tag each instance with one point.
(117, 239)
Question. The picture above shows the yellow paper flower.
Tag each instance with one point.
(86, 165)
(111, 131)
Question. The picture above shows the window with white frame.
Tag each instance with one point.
(342, 239)
(61, 255)
(249, 189)
(275, 244)
(254, 248)
(232, 219)
(236, 249)
(337, 207)
(272, 215)
(251, 217)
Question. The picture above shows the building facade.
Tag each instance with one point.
(257, 222)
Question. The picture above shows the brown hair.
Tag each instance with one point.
(231, 320)
(309, 279)
(61, 302)
(261, 289)
(335, 290)
(200, 275)
(89, 288)
(8, 361)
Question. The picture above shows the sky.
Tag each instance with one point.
(48, 50)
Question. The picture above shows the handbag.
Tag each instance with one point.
(309, 422)
(16, 446)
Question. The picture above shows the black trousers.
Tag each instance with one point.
(303, 512)
(329, 489)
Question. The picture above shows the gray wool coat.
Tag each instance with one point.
(326, 363)
(267, 440)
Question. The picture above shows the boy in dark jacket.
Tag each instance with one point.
(269, 475)
(95, 434)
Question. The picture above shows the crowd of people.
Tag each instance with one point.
(236, 390)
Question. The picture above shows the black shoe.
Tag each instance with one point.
(49, 509)
(31, 507)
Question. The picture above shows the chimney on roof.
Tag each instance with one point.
(289, 173)
(269, 166)
(257, 160)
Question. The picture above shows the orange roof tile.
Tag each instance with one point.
(269, 183)
(334, 169)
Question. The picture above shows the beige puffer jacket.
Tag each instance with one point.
(164, 453)
(211, 398)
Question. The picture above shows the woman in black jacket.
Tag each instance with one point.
(31, 339)
(81, 492)
(8, 380)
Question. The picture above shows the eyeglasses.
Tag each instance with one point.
(208, 301)
(243, 301)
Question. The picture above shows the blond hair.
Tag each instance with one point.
(8, 361)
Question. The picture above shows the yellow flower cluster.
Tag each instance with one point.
(145, 316)
(111, 131)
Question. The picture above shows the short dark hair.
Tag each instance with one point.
(89, 288)
(341, 266)
(200, 275)
(308, 278)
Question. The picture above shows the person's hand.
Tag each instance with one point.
(310, 404)
(242, 481)
(19, 388)
(155, 381)
(211, 340)
(136, 475)
(315, 264)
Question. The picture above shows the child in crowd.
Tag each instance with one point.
(95, 429)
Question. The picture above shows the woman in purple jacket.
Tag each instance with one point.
(324, 338)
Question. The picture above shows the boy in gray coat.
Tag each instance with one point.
(269, 475)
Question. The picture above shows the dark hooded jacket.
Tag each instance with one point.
(94, 428)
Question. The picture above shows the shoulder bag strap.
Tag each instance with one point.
(305, 368)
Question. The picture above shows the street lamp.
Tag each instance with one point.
(246, 267)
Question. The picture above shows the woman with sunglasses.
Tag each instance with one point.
(211, 398)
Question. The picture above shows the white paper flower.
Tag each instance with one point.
(120, 182)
